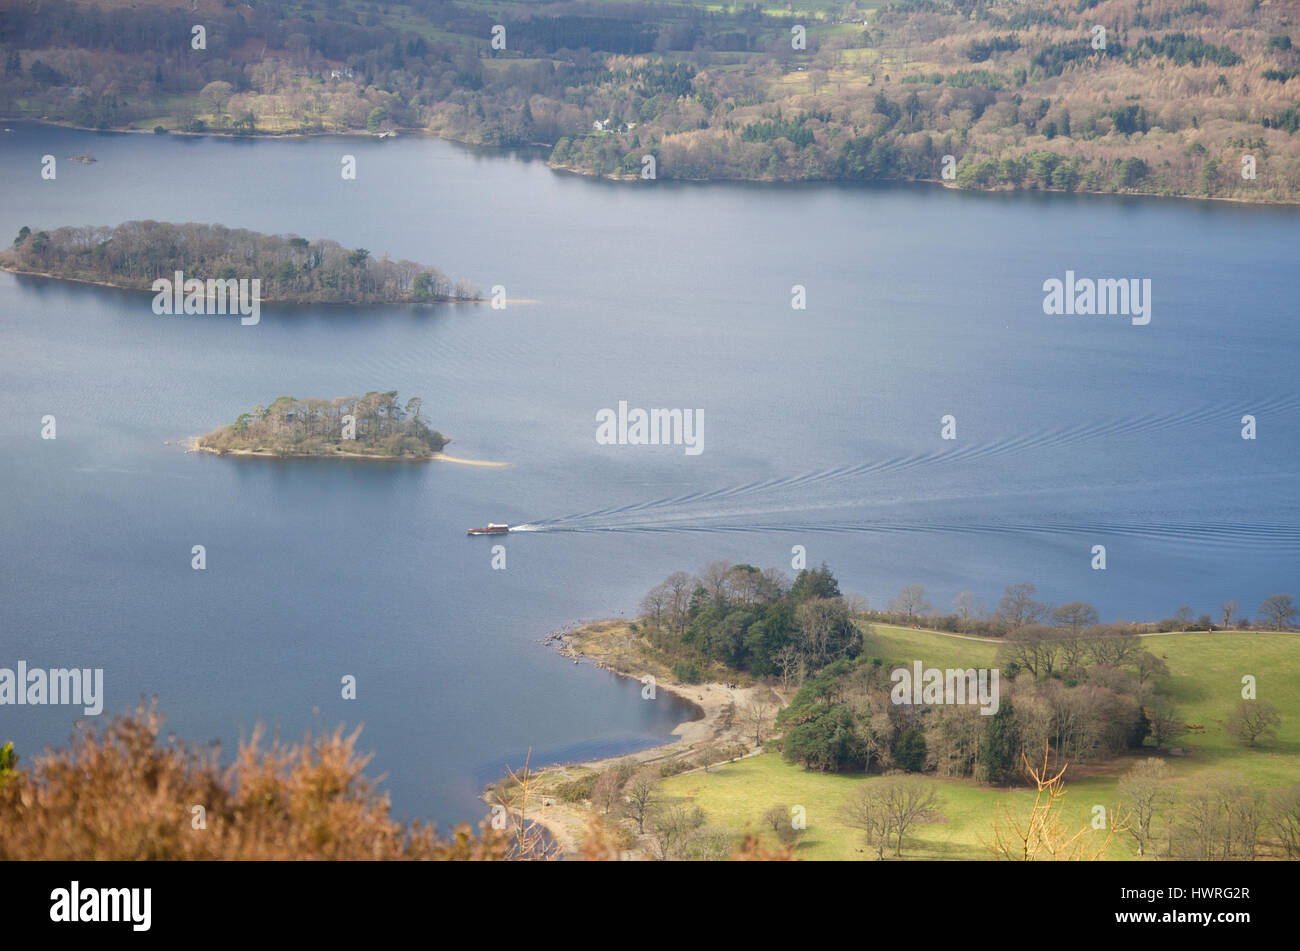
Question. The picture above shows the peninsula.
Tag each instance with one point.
(142, 255)
(797, 686)
(374, 426)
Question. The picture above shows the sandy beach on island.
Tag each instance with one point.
(610, 645)
(443, 457)
(193, 446)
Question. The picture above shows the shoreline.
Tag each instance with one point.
(261, 300)
(630, 177)
(192, 445)
(566, 646)
(566, 821)
(712, 703)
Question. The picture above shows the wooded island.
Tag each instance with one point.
(372, 425)
(135, 254)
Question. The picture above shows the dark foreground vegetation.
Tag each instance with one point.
(123, 791)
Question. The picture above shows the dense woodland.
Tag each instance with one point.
(136, 253)
(375, 424)
(1015, 92)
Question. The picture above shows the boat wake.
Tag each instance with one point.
(843, 498)
(1238, 536)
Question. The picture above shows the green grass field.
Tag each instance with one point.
(904, 644)
(1205, 678)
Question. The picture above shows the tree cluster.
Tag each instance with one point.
(751, 620)
(1219, 818)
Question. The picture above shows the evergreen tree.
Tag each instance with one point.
(999, 747)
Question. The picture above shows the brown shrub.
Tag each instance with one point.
(119, 793)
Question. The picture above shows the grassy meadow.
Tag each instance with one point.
(1205, 679)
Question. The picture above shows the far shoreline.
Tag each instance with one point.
(628, 178)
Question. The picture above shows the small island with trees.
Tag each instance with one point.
(372, 426)
(291, 269)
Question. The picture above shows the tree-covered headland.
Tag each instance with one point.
(1084, 690)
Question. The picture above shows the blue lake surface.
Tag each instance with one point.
(822, 429)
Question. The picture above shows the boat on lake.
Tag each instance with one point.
(492, 529)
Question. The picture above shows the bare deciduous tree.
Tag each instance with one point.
(1018, 606)
(757, 713)
(716, 580)
(671, 829)
(709, 754)
(653, 604)
(1075, 616)
(888, 808)
(1146, 794)
(777, 816)
(1252, 720)
(964, 605)
(1114, 646)
(867, 810)
(787, 662)
(825, 631)
(607, 791)
(1033, 647)
(1219, 820)
(910, 602)
(857, 604)
(1286, 820)
(640, 793)
(1279, 611)
(679, 585)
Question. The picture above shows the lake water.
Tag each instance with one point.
(822, 429)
